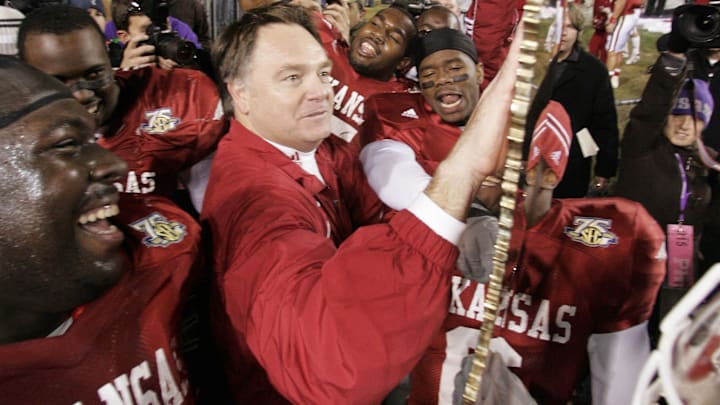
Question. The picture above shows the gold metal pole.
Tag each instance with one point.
(511, 175)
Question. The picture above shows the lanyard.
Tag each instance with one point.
(684, 194)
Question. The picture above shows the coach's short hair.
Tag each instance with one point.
(56, 19)
(234, 48)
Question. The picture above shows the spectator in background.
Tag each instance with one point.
(704, 64)
(356, 14)
(89, 296)
(10, 20)
(95, 8)
(436, 17)
(660, 166)
(193, 13)
(159, 121)
(620, 24)
(602, 9)
(129, 17)
(132, 24)
(325, 312)
(491, 25)
(580, 83)
(451, 5)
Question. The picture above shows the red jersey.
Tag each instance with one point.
(167, 121)
(122, 347)
(490, 24)
(631, 5)
(324, 315)
(589, 267)
(602, 9)
(409, 119)
(351, 90)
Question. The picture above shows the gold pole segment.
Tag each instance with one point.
(511, 175)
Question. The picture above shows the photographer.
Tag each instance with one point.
(661, 165)
(160, 122)
(132, 21)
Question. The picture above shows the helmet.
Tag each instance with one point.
(685, 368)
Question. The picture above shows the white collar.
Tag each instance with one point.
(306, 160)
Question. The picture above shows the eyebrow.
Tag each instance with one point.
(394, 28)
(91, 69)
(68, 121)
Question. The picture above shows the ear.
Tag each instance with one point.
(404, 65)
(480, 72)
(238, 94)
(123, 36)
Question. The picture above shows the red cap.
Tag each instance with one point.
(551, 139)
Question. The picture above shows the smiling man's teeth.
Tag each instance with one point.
(99, 214)
(450, 100)
(367, 49)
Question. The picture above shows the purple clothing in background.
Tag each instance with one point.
(182, 29)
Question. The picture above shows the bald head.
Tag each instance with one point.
(25, 89)
(437, 17)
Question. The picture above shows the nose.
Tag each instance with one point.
(83, 96)
(104, 166)
(443, 77)
(377, 37)
(686, 121)
(319, 88)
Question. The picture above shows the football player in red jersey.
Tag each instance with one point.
(92, 284)
(160, 122)
(367, 65)
(553, 315)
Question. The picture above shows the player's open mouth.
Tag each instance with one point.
(95, 221)
(368, 49)
(449, 100)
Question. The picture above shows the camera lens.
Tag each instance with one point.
(706, 22)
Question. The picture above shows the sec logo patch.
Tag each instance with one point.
(159, 230)
(592, 232)
(159, 121)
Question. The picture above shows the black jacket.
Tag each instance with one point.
(583, 88)
(649, 170)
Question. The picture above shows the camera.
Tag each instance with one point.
(415, 7)
(699, 25)
(167, 42)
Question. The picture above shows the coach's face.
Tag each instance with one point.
(378, 47)
(286, 94)
(449, 82)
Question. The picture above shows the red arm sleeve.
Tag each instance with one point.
(332, 325)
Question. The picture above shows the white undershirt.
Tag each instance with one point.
(306, 160)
